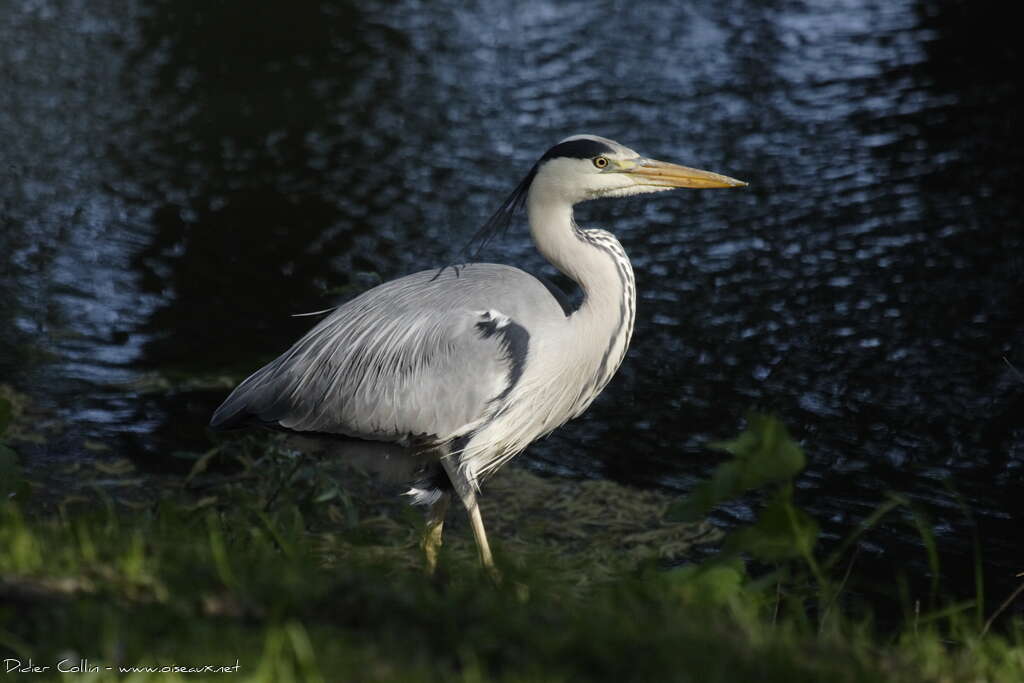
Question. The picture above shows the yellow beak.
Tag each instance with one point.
(664, 174)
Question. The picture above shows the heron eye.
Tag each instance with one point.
(600, 162)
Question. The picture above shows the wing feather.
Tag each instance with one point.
(419, 359)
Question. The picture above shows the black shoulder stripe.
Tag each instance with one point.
(515, 343)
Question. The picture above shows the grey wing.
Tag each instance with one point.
(414, 360)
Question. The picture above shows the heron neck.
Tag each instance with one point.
(593, 259)
(596, 261)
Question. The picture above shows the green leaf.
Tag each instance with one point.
(711, 584)
(766, 450)
(328, 495)
(781, 532)
(763, 454)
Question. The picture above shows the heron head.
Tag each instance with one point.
(585, 167)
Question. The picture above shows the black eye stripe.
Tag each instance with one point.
(578, 149)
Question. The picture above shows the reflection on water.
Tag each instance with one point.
(253, 155)
(184, 176)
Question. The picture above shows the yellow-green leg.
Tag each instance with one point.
(431, 543)
(467, 494)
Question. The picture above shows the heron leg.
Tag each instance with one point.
(431, 543)
(467, 494)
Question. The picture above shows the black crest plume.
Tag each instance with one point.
(500, 220)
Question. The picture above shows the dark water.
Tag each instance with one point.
(179, 177)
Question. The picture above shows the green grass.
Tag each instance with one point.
(268, 560)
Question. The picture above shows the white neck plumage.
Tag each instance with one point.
(596, 261)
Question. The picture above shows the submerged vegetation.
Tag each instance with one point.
(264, 565)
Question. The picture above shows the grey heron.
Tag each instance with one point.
(444, 375)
